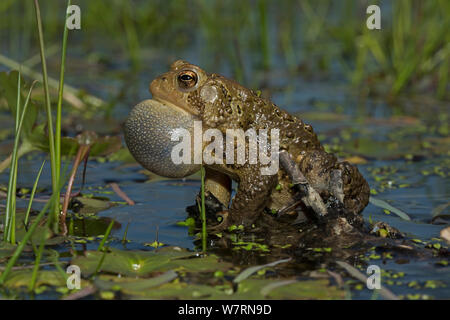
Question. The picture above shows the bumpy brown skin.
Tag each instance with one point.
(224, 104)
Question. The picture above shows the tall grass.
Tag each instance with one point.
(10, 216)
(54, 142)
(321, 37)
(26, 238)
(203, 210)
(59, 113)
(417, 47)
(51, 138)
(33, 192)
(54, 137)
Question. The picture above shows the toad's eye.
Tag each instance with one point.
(187, 79)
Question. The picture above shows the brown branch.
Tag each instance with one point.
(121, 194)
(82, 152)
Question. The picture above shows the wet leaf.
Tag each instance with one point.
(292, 289)
(143, 263)
(438, 213)
(181, 290)
(22, 278)
(355, 273)
(384, 205)
(93, 226)
(89, 206)
(133, 286)
(250, 289)
(40, 232)
(275, 284)
(249, 271)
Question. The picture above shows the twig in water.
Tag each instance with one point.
(121, 194)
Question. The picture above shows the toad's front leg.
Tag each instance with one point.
(252, 196)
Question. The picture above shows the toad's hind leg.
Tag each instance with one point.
(339, 179)
(219, 185)
(354, 187)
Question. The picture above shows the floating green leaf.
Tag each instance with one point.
(133, 286)
(383, 204)
(143, 263)
(249, 271)
(22, 278)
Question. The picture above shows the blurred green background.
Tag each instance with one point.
(251, 41)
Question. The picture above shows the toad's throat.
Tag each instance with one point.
(180, 106)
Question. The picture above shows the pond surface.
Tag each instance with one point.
(401, 149)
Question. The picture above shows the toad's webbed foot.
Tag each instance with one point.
(341, 180)
(323, 182)
(224, 224)
(355, 188)
(215, 211)
(307, 193)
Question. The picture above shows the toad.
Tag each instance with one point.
(308, 177)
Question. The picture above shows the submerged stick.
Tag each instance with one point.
(121, 194)
(83, 152)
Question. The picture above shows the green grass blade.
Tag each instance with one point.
(108, 230)
(19, 95)
(383, 204)
(100, 263)
(9, 205)
(249, 271)
(9, 235)
(24, 241)
(60, 98)
(51, 138)
(124, 238)
(38, 259)
(33, 192)
(203, 211)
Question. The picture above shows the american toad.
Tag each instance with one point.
(187, 93)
